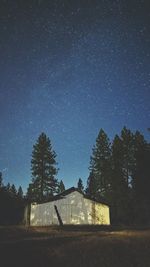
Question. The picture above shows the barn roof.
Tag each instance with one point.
(73, 189)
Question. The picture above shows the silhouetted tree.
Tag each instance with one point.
(31, 196)
(141, 180)
(1, 180)
(20, 193)
(43, 169)
(119, 190)
(80, 185)
(7, 187)
(91, 189)
(13, 191)
(11, 206)
(100, 164)
(121, 173)
(127, 138)
(139, 146)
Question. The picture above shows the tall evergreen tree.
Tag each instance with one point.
(100, 164)
(127, 138)
(119, 189)
(139, 145)
(91, 189)
(80, 185)
(43, 166)
(141, 179)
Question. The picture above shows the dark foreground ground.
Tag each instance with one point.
(74, 246)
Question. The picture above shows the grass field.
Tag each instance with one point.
(74, 246)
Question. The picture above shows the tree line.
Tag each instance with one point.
(119, 174)
(12, 203)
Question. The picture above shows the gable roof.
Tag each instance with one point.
(74, 189)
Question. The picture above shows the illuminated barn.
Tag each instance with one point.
(69, 207)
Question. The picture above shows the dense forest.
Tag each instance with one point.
(119, 174)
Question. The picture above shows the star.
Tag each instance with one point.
(69, 69)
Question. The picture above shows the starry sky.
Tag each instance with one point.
(69, 68)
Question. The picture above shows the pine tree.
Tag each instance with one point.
(31, 195)
(80, 185)
(100, 164)
(91, 189)
(61, 187)
(13, 191)
(127, 138)
(141, 179)
(43, 168)
(7, 188)
(118, 199)
(20, 193)
(139, 146)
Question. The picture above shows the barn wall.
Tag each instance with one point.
(43, 214)
(98, 213)
(73, 209)
(102, 215)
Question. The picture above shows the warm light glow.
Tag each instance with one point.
(73, 209)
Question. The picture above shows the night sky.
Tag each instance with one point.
(69, 68)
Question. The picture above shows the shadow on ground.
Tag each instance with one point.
(51, 246)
